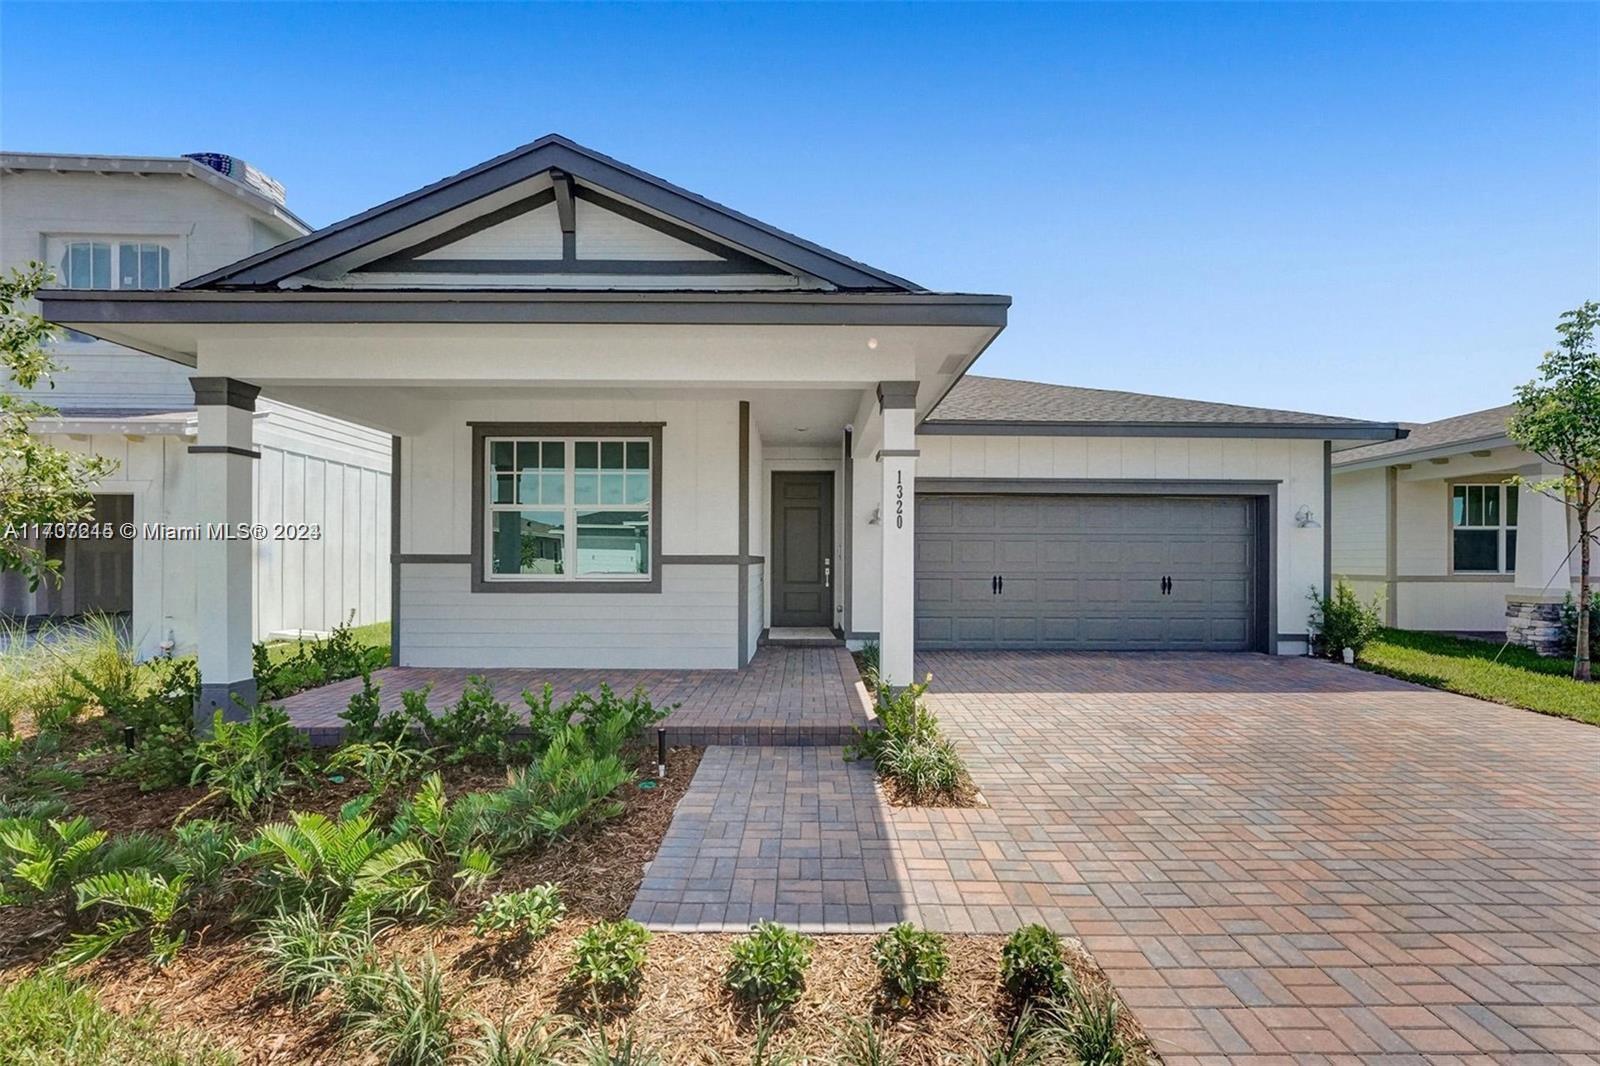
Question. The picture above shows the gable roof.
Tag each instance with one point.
(553, 154)
(1475, 427)
(228, 175)
(980, 404)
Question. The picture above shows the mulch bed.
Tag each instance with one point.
(215, 985)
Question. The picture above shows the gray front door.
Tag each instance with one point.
(802, 549)
(1087, 572)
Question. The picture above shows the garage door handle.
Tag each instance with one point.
(1166, 586)
(1001, 584)
(994, 585)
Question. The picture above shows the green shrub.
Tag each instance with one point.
(250, 762)
(48, 1019)
(365, 720)
(529, 914)
(153, 900)
(608, 959)
(306, 952)
(1033, 964)
(911, 961)
(768, 970)
(478, 727)
(339, 656)
(1342, 621)
(1567, 635)
(162, 720)
(411, 1019)
(568, 786)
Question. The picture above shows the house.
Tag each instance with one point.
(127, 225)
(636, 428)
(1431, 525)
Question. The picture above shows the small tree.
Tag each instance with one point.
(40, 484)
(1558, 419)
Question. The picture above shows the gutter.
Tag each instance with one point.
(1373, 431)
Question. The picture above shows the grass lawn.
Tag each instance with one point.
(375, 635)
(1520, 678)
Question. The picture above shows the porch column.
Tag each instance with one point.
(897, 461)
(224, 496)
(1533, 610)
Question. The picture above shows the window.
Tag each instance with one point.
(1483, 528)
(568, 508)
(140, 265)
(88, 265)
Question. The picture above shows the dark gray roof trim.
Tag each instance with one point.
(84, 308)
(552, 152)
(1283, 430)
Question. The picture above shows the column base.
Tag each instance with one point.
(211, 698)
(1534, 621)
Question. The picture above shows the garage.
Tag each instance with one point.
(1091, 572)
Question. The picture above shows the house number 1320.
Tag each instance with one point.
(899, 499)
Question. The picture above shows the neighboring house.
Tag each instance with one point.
(1430, 524)
(635, 428)
(119, 224)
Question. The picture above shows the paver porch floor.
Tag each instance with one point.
(1275, 859)
(795, 696)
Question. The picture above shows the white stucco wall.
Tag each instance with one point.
(1296, 464)
(691, 623)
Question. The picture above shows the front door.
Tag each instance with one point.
(802, 549)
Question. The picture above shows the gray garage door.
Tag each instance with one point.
(1087, 572)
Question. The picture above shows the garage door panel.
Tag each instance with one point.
(1085, 572)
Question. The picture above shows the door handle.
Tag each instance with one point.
(1002, 584)
(827, 573)
(994, 584)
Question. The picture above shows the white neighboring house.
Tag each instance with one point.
(119, 224)
(1431, 525)
(636, 428)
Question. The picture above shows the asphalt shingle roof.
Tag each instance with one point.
(982, 399)
(1458, 429)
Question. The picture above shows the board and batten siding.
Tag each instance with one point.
(304, 585)
(693, 622)
(1296, 464)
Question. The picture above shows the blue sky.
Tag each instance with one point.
(1364, 210)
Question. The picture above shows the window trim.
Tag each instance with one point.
(54, 246)
(1450, 527)
(477, 464)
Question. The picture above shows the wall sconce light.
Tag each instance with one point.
(1304, 518)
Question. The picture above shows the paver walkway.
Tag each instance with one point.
(1275, 859)
(784, 696)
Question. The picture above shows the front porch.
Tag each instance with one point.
(801, 696)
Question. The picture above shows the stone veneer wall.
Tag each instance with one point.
(1535, 625)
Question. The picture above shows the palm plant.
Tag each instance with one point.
(344, 864)
(149, 899)
(454, 836)
(41, 859)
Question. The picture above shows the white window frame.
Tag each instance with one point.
(1505, 524)
(569, 507)
(56, 246)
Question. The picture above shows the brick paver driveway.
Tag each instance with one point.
(1284, 858)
